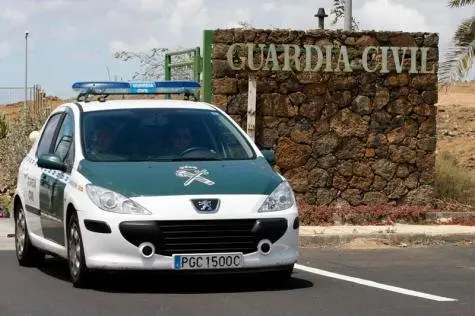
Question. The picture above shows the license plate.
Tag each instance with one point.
(208, 261)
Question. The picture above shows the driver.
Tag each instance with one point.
(181, 139)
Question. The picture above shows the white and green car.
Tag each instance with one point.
(151, 185)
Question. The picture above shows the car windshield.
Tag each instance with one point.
(162, 134)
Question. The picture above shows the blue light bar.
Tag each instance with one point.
(137, 87)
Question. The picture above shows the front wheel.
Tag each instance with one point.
(27, 254)
(80, 274)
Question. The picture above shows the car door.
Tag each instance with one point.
(35, 199)
(53, 182)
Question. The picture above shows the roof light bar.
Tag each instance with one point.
(86, 88)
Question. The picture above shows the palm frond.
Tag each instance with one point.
(459, 58)
(460, 3)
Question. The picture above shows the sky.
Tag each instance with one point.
(74, 40)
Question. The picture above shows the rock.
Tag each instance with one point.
(363, 169)
(362, 105)
(269, 103)
(237, 104)
(326, 162)
(430, 97)
(402, 154)
(224, 86)
(398, 80)
(431, 40)
(343, 83)
(342, 98)
(381, 98)
(249, 35)
(384, 168)
(403, 40)
(302, 133)
(312, 109)
(411, 182)
(297, 98)
(396, 136)
(376, 140)
(351, 148)
(424, 195)
(339, 182)
(378, 183)
(325, 196)
(428, 144)
(318, 178)
(324, 145)
(291, 155)
(269, 137)
(380, 122)
(429, 111)
(372, 198)
(223, 36)
(415, 99)
(428, 127)
(286, 109)
(347, 123)
(220, 101)
(402, 171)
(314, 89)
(345, 168)
(396, 189)
(400, 106)
(361, 183)
(424, 81)
(221, 69)
(352, 196)
(220, 51)
(298, 179)
(367, 40)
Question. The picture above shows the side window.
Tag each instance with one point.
(44, 146)
(64, 142)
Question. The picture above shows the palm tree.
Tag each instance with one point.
(459, 58)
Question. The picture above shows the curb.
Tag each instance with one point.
(389, 239)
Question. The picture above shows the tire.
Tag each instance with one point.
(281, 276)
(27, 254)
(80, 274)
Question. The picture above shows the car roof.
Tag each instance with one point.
(139, 104)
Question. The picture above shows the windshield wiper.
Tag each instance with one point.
(196, 159)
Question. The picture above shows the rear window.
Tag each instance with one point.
(162, 135)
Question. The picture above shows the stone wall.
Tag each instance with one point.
(342, 135)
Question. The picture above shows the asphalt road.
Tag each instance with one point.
(443, 272)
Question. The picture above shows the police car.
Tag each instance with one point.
(151, 185)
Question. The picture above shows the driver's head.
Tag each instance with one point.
(181, 138)
(103, 137)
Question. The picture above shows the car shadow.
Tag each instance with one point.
(159, 282)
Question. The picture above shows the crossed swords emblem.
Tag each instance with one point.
(193, 173)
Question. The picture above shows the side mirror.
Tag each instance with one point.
(269, 154)
(50, 161)
(34, 136)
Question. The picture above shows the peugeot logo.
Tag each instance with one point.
(206, 205)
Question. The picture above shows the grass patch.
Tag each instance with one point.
(452, 182)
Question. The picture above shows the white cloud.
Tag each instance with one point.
(389, 15)
(268, 6)
(137, 46)
(13, 17)
(4, 49)
(65, 33)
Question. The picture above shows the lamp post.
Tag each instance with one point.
(26, 69)
(321, 15)
(348, 15)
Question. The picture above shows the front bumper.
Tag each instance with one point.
(118, 250)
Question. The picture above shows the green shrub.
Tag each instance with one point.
(452, 182)
(3, 126)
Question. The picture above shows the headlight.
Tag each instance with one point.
(281, 199)
(114, 202)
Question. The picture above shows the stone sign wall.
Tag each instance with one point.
(350, 115)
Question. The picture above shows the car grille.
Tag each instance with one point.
(204, 236)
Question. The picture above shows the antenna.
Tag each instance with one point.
(108, 72)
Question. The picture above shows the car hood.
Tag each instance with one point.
(133, 179)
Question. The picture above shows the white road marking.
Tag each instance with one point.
(374, 284)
